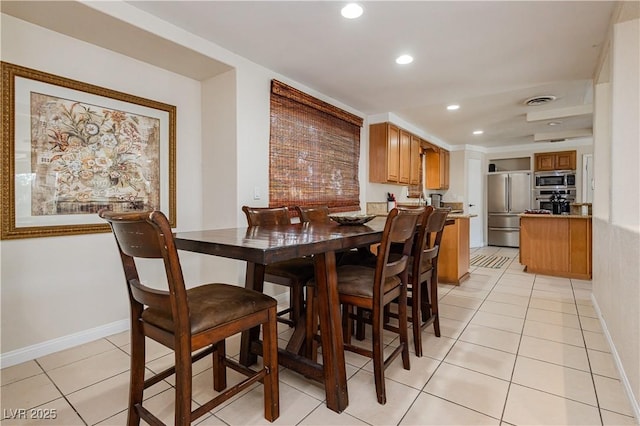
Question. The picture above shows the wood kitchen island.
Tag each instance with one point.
(558, 245)
(454, 257)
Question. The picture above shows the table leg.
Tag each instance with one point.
(254, 280)
(331, 332)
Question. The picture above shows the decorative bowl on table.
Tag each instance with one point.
(358, 219)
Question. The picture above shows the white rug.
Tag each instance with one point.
(494, 262)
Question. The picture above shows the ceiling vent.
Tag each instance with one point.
(539, 100)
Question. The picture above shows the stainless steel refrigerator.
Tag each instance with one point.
(508, 195)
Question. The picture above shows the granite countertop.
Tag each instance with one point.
(557, 216)
(380, 209)
(461, 216)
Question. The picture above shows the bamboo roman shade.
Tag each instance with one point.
(314, 150)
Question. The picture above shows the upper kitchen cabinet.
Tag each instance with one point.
(394, 155)
(563, 160)
(416, 163)
(437, 168)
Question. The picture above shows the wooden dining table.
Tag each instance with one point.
(262, 245)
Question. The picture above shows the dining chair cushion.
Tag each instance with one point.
(356, 280)
(211, 305)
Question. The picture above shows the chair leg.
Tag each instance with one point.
(378, 356)
(360, 332)
(311, 348)
(296, 302)
(270, 361)
(183, 386)
(416, 317)
(136, 387)
(347, 323)
(425, 307)
(434, 306)
(219, 368)
(403, 326)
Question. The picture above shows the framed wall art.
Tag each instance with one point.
(70, 149)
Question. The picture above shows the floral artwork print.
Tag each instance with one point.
(86, 157)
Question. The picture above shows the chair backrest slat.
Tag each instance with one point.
(400, 228)
(257, 216)
(314, 214)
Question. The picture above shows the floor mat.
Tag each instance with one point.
(495, 262)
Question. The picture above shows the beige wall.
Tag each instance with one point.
(616, 227)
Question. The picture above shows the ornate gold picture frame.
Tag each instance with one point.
(70, 149)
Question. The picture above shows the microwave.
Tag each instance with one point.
(558, 179)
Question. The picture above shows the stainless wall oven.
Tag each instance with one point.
(557, 201)
(558, 179)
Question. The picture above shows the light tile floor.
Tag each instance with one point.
(516, 349)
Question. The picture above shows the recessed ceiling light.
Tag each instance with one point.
(478, 132)
(351, 11)
(453, 107)
(554, 123)
(404, 59)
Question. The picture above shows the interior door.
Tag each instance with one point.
(475, 204)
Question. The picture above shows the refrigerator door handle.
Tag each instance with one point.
(506, 194)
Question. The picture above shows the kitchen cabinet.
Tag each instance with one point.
(404, 156)
(454, 256)
(394, 155)
(416, 163)
(437, 168)
(384, 153)
(557, 245)
(564, 160)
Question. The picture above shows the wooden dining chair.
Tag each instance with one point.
(292, 273)
(374, 288)
(423, 277)
(426, 286)
(193, 322)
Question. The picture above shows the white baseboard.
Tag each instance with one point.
(65, 342)
(635, 406)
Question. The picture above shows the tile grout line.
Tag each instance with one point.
(515, 361)
(449, 351)
(62, 393)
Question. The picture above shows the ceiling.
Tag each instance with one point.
(486, 56)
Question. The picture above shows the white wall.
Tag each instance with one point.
(61, 291)
(616, 230)
(58, 286)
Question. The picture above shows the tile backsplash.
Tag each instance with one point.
(377, 208)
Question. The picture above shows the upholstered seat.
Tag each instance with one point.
(210, 306)
(356, 281)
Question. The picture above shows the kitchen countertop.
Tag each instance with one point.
(380, 209)
(557, 216)
(461, 216)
